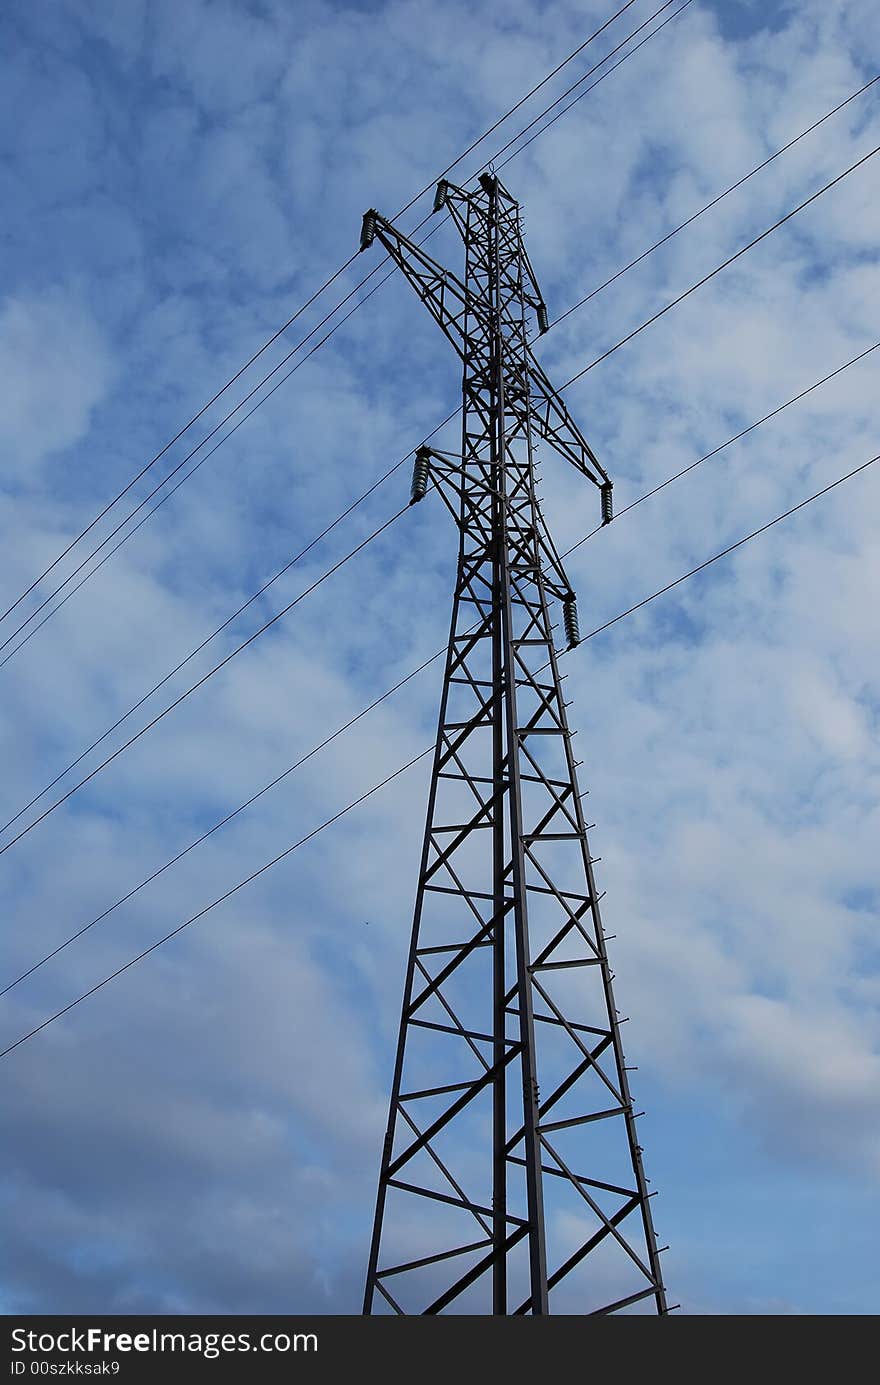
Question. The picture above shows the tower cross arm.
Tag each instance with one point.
(555, 425)
(442, 292)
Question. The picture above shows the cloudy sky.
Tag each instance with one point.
(177, 178)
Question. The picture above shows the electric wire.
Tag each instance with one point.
(408, 677)
(161, 484)
(715, 200)
(303, 307)
(630, 335)
(705, 279)
(220, 900)
(639, 605)
(521, 102)
(223, 662)
(806, 202)
(220, 628)
(581, 95)
(134, 480)
(676, 476)
(261, 401)
(427, 751)
(361, 283)
(802, 394)
(107, 556)
(328, 740)
(724, 265)
(730, 549)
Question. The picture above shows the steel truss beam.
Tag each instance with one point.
(491, 1197)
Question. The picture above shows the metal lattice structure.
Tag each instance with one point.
(511, 1177)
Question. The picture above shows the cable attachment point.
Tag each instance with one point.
(421, 475)
(607, 507)
(570, 620)
(440, 195)
(368, 229)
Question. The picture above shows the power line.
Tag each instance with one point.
(730, 549)
(570, 310)
(595, 68)
(177, 701)
(228, 621)
(328, 740)
(718, 268)
(676, 476)
(178, 435)
(428, 749)
(604, 356)
(359, 285)
(802, 394)
(201, 461)
(593, 85)
(680, 297)
(407, 678)
(521, 102)
(714, 202)
(317, 346)
(220, 900)
(303, 307)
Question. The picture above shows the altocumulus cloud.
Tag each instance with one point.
(203, 1135)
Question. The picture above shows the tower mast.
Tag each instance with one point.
(497, 1194)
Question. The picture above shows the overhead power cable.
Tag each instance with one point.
(724, 265)
(228, 621)
(361, 283)
(199, 683)
(743, 432)
(427, 751)
(161, 484)
(802, 394)
(521, 102)
(220, 900)
(177, 436)
(135, 706)
(593, 85)
(730, 549)
(328, 740)
(714, 202)
(629, 337)
(299, 311)
(806, 202)
(389, 692)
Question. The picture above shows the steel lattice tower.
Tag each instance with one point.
(497, 1194)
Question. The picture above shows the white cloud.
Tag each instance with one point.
(729, 731)
(56, 368)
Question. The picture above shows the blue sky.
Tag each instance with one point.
(176, 178)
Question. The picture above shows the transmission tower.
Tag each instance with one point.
(511, 1177)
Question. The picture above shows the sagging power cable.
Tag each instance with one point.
(210, 674)
(300, 310)
(403, 768)
(389, 692)
(361, 284)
